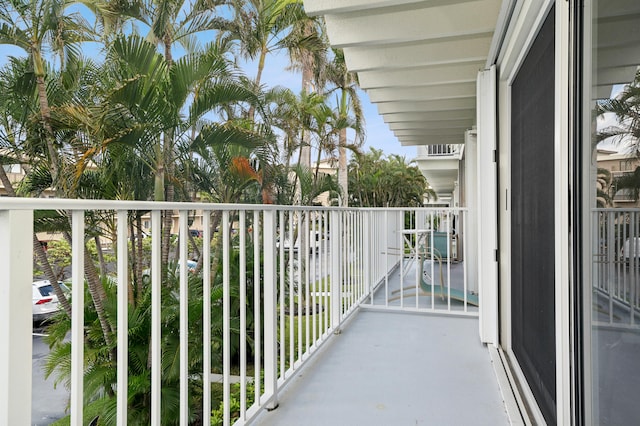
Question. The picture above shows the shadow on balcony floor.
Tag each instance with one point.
(395, 369)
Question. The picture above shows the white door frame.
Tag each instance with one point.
(526, 22)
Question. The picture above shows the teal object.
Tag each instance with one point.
(443, 291)
(440, 242)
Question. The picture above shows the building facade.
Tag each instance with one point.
(532, 88)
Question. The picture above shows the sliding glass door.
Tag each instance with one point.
(610, 183)
(532, 219)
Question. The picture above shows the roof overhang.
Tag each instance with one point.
(417, 60)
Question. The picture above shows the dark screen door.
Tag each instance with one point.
(532, 219)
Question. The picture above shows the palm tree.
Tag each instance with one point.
(70, 99)
(19, 140)
(603, 185)
(629, 182)
(307, 44)
(170, 22)
(260, 27)
(36, 26)
(376, 181)
(349, 101)
(626, 107)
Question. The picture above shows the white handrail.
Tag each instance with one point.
(340, 267)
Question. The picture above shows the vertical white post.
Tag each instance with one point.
(386, 257)
(562, 216)
(77, 316)
(470, 231)
(243, 314)
(283, 238)
(304, 254)
(123, 325)
(367, 233)
(184, 318)
(486, 184)
(336, 267)
(206, 315)
(257, 324)
(226, 322)
(16, 275)
(270, 310)
(156, 307)
(282, 333)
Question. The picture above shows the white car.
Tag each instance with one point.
(628, 250)
(314, 242)
(45, 302)
(191, 266)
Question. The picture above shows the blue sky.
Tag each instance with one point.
(378, 134)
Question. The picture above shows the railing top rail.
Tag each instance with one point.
(616, 209)
(20, 203)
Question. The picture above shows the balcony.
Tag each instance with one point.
(349, 315)
(441, 151)
(441, 165)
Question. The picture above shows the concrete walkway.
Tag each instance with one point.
(395, 369)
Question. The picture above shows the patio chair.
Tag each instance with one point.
(427, 285)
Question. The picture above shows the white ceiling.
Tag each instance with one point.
(617, 32)
(417, 60)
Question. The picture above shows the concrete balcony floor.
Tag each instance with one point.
(394, 368)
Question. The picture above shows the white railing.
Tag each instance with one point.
(295, 273)
(444, 150)
(616, 266)
(429, 251)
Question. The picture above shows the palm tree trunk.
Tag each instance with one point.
(343, 180)
(307, 87)
(217, 216)
(45, 116)
(169, 168)
(103, 265)
(41, 255)
(96, 290)
(261, 62)
(138, 247)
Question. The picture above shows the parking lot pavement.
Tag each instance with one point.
(48, 403)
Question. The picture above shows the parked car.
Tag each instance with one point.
(191, 267)
(314, 242)
(628, 250)
(45, 302)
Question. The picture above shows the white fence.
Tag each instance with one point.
(289, 277)
(616, 266)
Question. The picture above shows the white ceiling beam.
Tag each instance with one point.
(432, 125)
(443, 91)
(333, 7)
(325, 7)
(428, 132)
(608, 9)
(618, 75)
(463, 114)
(413, 23)
(458, 51)
(427, 106)
(427, 76)
(619, 56)
(611, 31)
